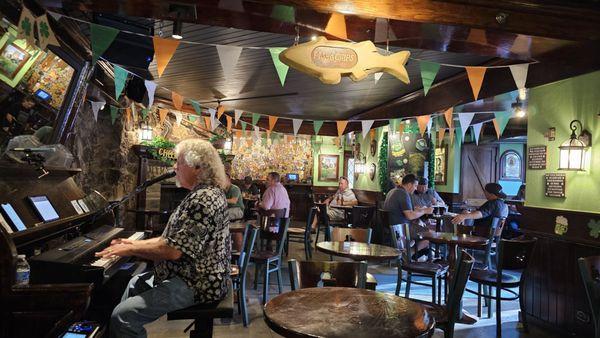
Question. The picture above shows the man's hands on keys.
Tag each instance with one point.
(118, 247)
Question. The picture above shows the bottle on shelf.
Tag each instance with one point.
(23, 270)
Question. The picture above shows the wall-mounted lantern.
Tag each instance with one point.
(573, 152)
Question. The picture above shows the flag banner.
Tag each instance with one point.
(197, 107)
(341, 126)
(280, 67)
(45, 34)
(428, 72)
(296, 124)
(177, 100)
(448, 117)
(519, 73)
(422, 121)
(237, 114)
(366, 126)
(317, 126)
(120, 79)
(114, 112)
(164, 49)
(229, 56)
(475, 75)
(284, 13)
(150, 89)
(477, 132)
(101, 38)
(337, 26)
(381, 31)
(272, 121)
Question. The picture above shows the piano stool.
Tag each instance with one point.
(204, 314)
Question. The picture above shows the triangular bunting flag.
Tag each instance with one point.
(228, 55)
(220, 111)
(381, 31)
(475, 75)
(296, 123)
(500, 121)
(229, 123)
(448, 116)
(272, 121)
(280, 67)
(337, 26)
(317, 126)
(163, 52)
(177, 100)
(243, 125)
(255, 118)
(477, 36)
(114, 112)
(231, 5)
(477, 131)
(366, 126)
(101, 38)
(214, 123)
(283, 13)
(96, 106)
(428, 72)
(451, 132)
(341, 126)
(465, 120)
(207, 122)
(441, 133)
(120, 79)
(197, 107)
(178, 117)
(519, 73)
(55, 15)
(162, 114)
(377, 76)
(150, 89)
(26, 23)
(423, 120)
(236, 116)
(45, 34)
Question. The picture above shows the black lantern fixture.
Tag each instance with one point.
(573, 152)
(145, 132)
(177, 29)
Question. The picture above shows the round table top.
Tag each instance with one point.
(345, 312)
(359, 251)
(467, 241)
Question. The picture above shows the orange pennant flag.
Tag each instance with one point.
(441, 133)
(177, 100)
(229, 122)
(207, 122)
(475, 75)
(448, 116)
(162, 114)
(272, 121)
(451, 131)
(341, 126)
(238, 133)
(220, 111)
(497, 128)
(423, 120)
(163, 52)
(337, 26)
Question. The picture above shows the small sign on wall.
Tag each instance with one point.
(556, 184)
(536, 157)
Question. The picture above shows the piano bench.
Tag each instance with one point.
(203, 315)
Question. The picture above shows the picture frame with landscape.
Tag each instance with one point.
(12, 59)
(329, 168)
(441, 165)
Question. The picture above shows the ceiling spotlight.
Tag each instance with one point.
(314, 37)
(519, 109)
(177, 28)
(523, 94)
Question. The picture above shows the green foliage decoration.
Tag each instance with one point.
(383, 164)
(157, 143)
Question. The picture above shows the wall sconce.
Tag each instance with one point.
(519, 109)
(145, 132)
(360, 162)
(177, 29)
(228, 145)
(573, 151)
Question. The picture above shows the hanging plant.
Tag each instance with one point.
(155, 147)
(383, 164)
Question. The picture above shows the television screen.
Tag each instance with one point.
(292, 177)
(42, 95)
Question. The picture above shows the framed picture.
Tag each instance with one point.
(441, 165)
(12, 59)
(511, 166)
(329, 166)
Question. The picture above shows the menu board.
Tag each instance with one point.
(555, 184)
(536, 157)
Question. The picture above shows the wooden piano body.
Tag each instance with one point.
(62, 288)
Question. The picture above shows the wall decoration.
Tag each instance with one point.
(561, 225)
(373, 147)
(594, 228)
(441, 165)
(536, 157)
(52, 75)
(550, 134)
(555, 184)
(384, 181)
(372, 170)
(329, 168)
(511, 166)
(12, 59)
(330, 60)
(408, 154)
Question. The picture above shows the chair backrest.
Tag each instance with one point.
(308, 274)
(350, 235)
(281, 234)
(589, 267)
(514, 254)
(311, 214)
(246, 252)
(491, 236)
(400, 234)
(457, 281)
(323, 217)
(263, 215)
(362, 216)
(247, 230)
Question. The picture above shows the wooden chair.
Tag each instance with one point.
(322, 223)
(362, 216)
(342, 274)
(512, 255)
(354, 235)
(239, 278)
(381, 228)
(401, 240)
(268, 259)
(590, 274)
(302, 235)
(447, 315)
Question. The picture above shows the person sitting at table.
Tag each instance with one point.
(398, 203)
(235, 202)
(344, 196)
(249, 187)
(426, 197)
(493, 207)
(276, 196)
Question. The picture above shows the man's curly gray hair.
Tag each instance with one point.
(200, 153)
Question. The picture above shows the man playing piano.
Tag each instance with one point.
(191, 256)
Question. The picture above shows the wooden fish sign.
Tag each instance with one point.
(330, 60)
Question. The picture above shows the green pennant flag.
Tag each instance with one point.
(502, 119)
(255, 118)
(282, 68)
(317, 126)
(428, 72)
(144, 113)
(197, 107)
(120, 78)
(243, 124)
(114, 111)
(283, 13)
(101, 37)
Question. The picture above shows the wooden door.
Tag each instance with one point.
(478, 169)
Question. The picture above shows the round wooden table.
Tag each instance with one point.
(346, 312)
(359, 251)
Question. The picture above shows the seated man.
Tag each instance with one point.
(250, 188)
(426, 197)
(191, 256)
(494, 207)
(344, 196)
(276, 196)
(235, 202)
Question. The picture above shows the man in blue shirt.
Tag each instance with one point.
(494, 207)
(425, 197)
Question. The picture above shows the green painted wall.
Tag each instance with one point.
(34, 52)
(453, 179)
(510, 187)
(364, 181)
(325, 145)
(555, 105)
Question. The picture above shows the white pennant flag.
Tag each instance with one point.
(465, 120)
(381, 31)
(96, 106)
(256, 133)
(296, 124)
(150, 88)
(477, 131)
(237, 114)
(377, 76)
(228, 55)
(178, 116)
(214, 123)
(366, 126)
(519, 73)
(55, 15)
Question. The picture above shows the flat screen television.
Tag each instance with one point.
(292, 177)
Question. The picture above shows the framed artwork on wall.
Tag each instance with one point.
(329, 166)
(511, 166)
(12, 59)
(441, 165)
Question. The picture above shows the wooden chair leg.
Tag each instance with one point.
(242, 302)
(433, 289)
(317, 237)
(439, 289)
(478, 300)
(399, 280)
(279, 279)
(498, 312)
(489, 293)
(408, 280)
(265, 284)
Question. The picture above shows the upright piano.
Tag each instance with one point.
(67, 282)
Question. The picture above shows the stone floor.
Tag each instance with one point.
(386, 278)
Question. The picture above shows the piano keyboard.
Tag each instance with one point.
(106, 262)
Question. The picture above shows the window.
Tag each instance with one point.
(511, 166)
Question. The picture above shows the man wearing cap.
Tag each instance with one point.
(494, 207)
(425, 197)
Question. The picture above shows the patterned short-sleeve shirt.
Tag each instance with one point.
(199, 229)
